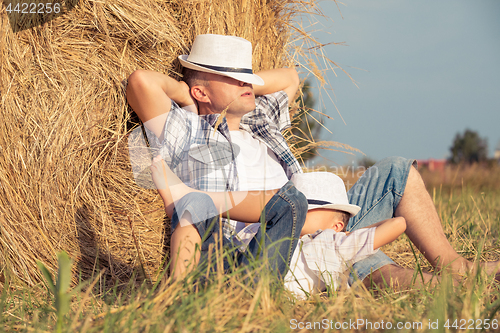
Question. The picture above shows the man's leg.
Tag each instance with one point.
(285, 214)
(183, 254)
(397, 277)
(425, 230)
(395, 187)
(379, 192)
(195, 225)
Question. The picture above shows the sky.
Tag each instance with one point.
(424, 70)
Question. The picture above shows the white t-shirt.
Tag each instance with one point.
(257, 166)
(322, 258)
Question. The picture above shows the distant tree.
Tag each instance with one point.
(468, 148)
(366, 162)
(305, 128)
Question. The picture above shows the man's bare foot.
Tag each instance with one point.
(399, 278)
(492, 267)
(463, 267)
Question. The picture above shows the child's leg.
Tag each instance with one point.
(245, 206)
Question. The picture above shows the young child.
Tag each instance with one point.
(324, 251)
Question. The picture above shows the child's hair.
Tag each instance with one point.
(344, 217)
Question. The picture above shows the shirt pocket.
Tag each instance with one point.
(210, 165)
(215, 155)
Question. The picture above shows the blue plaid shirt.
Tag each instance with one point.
(204, 158)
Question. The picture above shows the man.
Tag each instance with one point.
(223, 82)
(205, 157)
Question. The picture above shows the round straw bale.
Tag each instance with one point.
(65, 176)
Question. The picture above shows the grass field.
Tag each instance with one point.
(467, 201)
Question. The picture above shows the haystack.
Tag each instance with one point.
(65, 176)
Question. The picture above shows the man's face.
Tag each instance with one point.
(225, 92)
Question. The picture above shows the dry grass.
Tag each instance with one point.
(65, 177)
(476, 176)
(470, 220)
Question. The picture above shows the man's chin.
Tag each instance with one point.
(251, 106)
(243, 109)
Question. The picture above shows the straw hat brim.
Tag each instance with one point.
(248, 78)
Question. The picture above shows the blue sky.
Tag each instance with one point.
(425, 70)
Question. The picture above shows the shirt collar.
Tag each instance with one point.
(223, 128)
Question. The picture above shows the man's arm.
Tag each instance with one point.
(278, 79)
(149, 94)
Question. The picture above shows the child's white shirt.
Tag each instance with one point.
(322, 258)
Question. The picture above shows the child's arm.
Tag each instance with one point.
(278, 79)
(245, 206)
(355, 246)
(388, 230)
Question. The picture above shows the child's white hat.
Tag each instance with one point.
(324, 190)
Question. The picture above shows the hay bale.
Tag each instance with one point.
(65, 176)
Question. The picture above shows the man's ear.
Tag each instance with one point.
(199, 93)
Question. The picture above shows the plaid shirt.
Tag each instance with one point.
(204, 158)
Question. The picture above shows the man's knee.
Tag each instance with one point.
(397, 171)
(200, 205)
(414, 175)
(394, 163)
(194, 208)
(138, 79)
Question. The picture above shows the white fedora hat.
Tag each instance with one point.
(224, 55)
(324, 190)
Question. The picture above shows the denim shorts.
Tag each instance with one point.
(378, 193)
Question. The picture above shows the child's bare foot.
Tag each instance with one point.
(163, 176)
(159, 178)
(169, 186)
